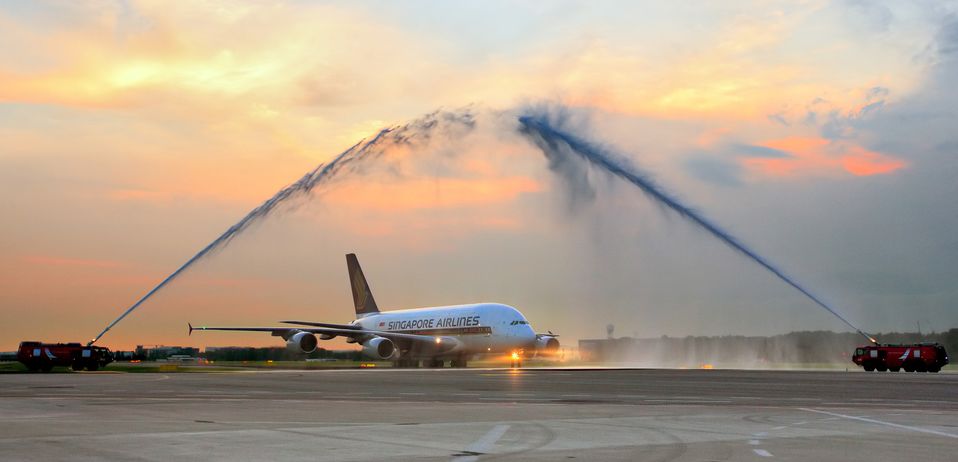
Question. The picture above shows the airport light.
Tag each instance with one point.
(516, 360)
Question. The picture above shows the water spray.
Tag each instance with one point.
(304, 185)
(349, 159)
(552, 141)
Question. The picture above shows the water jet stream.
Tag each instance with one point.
(536, 127)
(402, 135)
(551, 140)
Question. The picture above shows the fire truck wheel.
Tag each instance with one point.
(920, 367)
(908, 367)
(46, 367)
(881, 368)
(77, 366)
(934, 369)
(92, 366)
(894, 369)
(33, 368)
(869, 367)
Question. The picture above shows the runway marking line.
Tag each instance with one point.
(762, 452)
(882, 422)
(483, 444)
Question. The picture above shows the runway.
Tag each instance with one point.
(480, 414)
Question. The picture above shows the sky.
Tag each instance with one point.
(819, 133)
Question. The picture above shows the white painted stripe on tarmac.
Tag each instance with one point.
(882, 422)
(483, 444)
(762, 452)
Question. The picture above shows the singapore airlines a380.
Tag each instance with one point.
(431, 335)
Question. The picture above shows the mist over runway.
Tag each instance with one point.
(479, 414)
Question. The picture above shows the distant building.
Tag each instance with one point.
(162, 352)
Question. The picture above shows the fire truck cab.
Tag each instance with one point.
(921, 357)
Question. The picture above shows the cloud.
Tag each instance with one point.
(202, 55)
(758, 151)
(793, 156)
(819, 156)
(715, 170)
(947, 38)
(865, 163)
(779, 118)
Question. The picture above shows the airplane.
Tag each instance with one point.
(406, 337)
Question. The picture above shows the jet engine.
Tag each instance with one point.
(303, 342)
(379, 348)
(546, 344)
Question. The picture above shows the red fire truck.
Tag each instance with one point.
(921, 357)
(44, 356)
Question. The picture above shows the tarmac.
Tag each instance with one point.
(480, 414)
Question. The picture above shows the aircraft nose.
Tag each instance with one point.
(530, 336)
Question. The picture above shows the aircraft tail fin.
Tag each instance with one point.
(362, 296)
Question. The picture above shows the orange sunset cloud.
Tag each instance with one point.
(817, 156)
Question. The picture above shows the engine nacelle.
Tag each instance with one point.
(303, 342)
(546, 345)
(379, 348)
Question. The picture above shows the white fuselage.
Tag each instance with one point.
(481, 328)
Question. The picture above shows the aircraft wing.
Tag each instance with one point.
(323, 324)
(358, 334)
